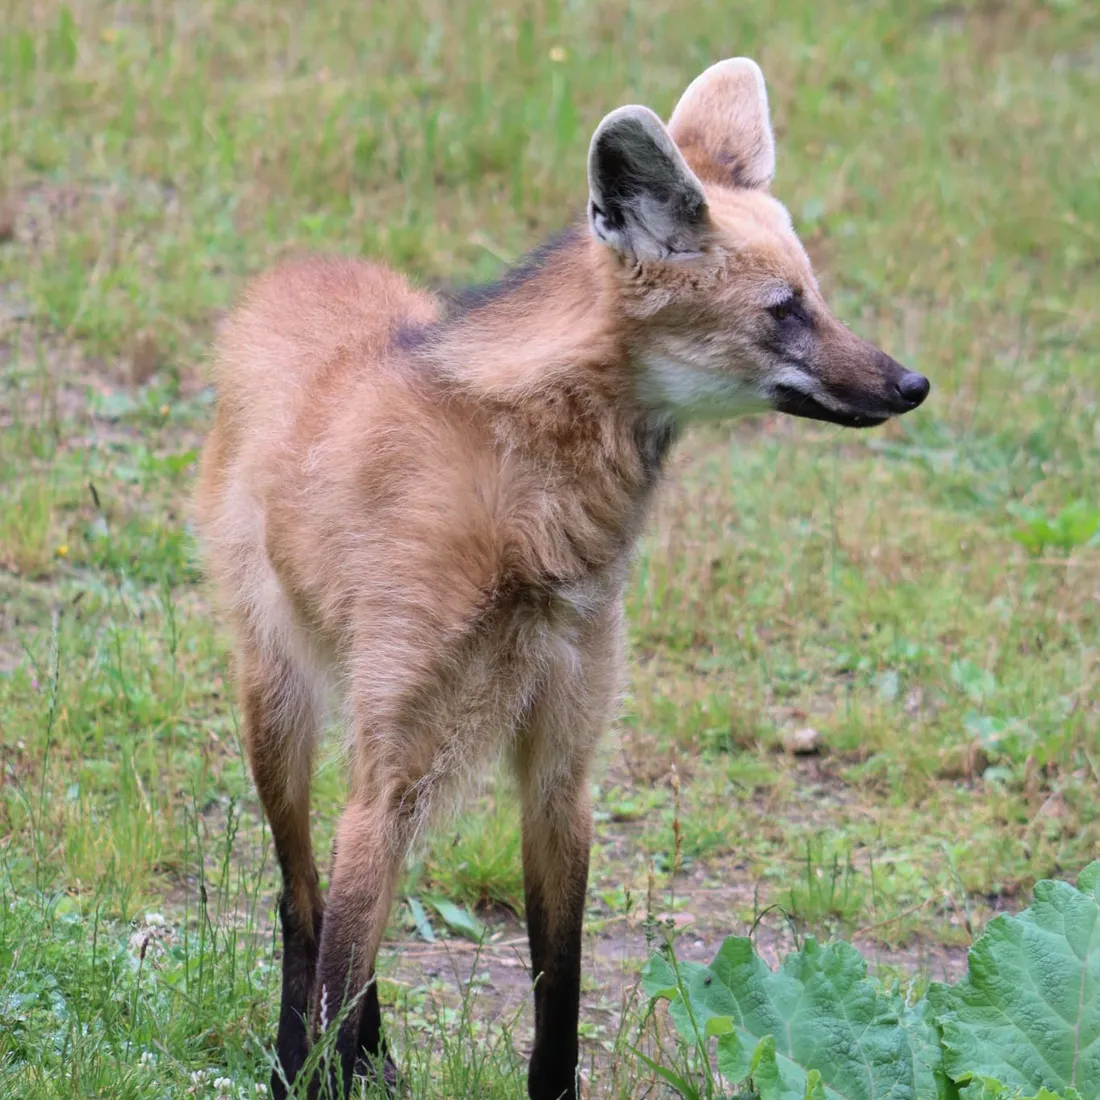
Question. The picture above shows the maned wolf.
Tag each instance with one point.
(427, 513)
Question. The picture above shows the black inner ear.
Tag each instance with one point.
(628, 165)
(618, 182)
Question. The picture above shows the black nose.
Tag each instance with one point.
(913, 388)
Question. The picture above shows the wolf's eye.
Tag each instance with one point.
(782, 310)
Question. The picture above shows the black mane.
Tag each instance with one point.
(468, 299)
(460, 301)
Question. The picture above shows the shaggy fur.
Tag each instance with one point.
(427, 515)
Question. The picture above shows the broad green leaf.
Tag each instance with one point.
(770, 1080)
(1088, 881)
(815, 1087)
(708, 1006)
(1028, 1013)
(924, 1037)
(458, 919)
(862, 1040)
(704, 1000)
(420, 919)
(659, 979)
(1023, 1025)
(718, 1025)
(773, 1083)
(988, 1088)
(817, 1027)
(734, 1061)
(984, 1088)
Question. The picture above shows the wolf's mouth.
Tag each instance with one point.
(795, 403)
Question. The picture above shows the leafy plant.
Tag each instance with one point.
(1025, 1021)
(817, 1027)
(1074, 525)
(1028, 1012)
(458, 918)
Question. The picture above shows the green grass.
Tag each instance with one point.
(925, 597)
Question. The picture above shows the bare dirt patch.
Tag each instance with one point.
(496, 975)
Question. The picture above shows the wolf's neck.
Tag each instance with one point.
(549, 322)
(544, 356)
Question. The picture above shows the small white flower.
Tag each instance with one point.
(223, 1084)
(154, 920)
(148, 1058)
(199, 1076)
(261, 1089)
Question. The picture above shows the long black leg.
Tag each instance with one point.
(300, 949)
(554, 927)
(373, 1048)
(279, 730)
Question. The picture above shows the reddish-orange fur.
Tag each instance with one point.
(425, 520)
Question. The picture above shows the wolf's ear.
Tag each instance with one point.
(722, 124)
(644, 201)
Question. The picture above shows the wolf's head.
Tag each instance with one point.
(727, 315)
